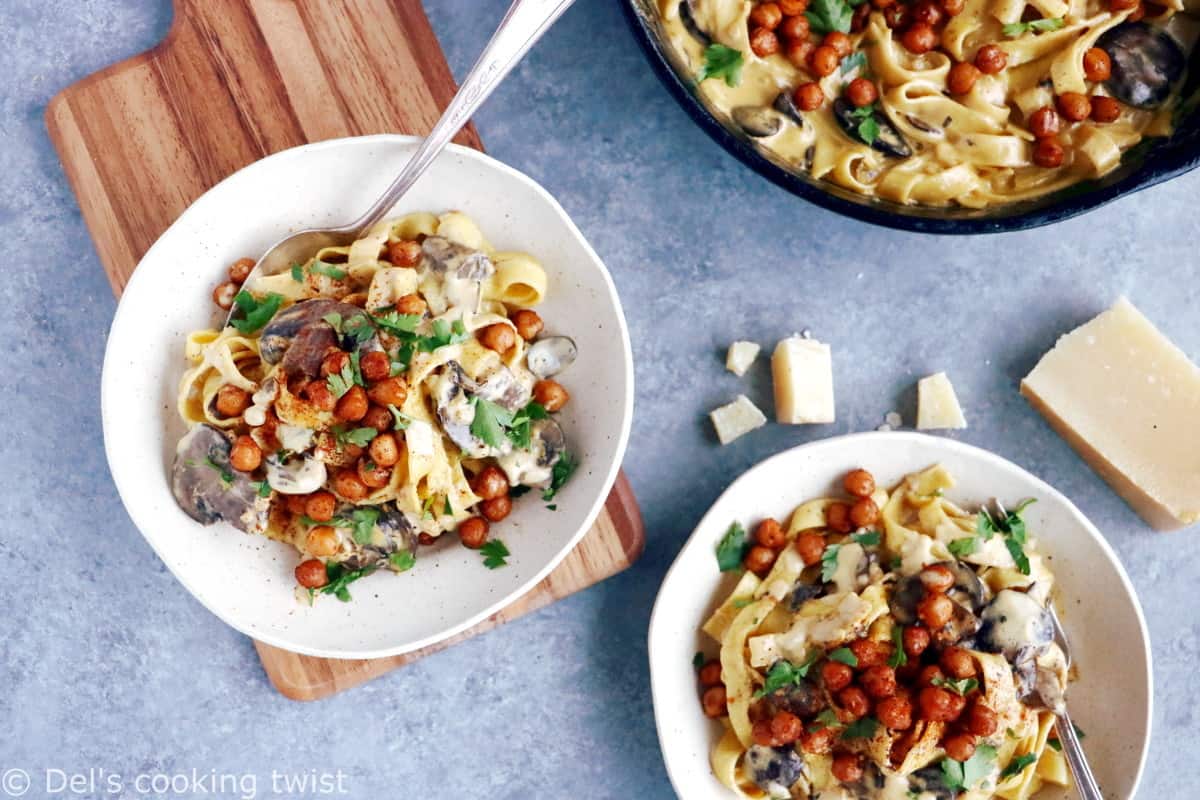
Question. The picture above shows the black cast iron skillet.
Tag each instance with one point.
(1151, 162)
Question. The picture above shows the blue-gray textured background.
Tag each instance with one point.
(106, 662)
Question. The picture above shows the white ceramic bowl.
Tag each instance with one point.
(247, 581)
(1102, 616)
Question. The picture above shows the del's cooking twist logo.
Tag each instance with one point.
(98, 782)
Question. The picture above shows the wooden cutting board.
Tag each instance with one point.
(236, 80)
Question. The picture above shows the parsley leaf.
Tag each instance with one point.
(489, 422)
(340, 578)
(829, 561)
(1015, 29)
(985, 526)
(742, 602)
(964, 546)
(826, 719)
(1018, 555)
(358, 327)
(255, 313)
(1054, 742)
(447, 509)
(698, 660)
(1018, 765)
(732, 548)
(444, 334)
(785, 673)
(962, 687)
(856, 60)
(863, 728)
(297, 273)
(364, 520)
(359, 436)
(335, 321)
(520, 490)
(560, 473)
(898, 658)
(825, 16)
(845, 656)
(868, 128)
(402, 324)
(263, 488)
(402, 561)
(963, 775)
(328, 270)
(494, 553)
(722, 62)
(519, 431)
(350, 375)
(402, 420)
(867, 538)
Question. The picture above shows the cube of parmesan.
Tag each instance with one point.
(802, 370)
(937, 405)
(741, 356)
(736, 419)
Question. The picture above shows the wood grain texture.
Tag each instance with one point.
(236, 80)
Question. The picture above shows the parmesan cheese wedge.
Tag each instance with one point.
(736, 419)
(741, 356)
(1128, 400)
(937, 405)
(802, 370)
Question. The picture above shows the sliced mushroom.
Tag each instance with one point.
(785, 104)
(775, 769)
(452, 393)
(504, 388)
(207, 487)
(1051, 678)
(284, 327)
(804, 699)
(689, 23)
(302, 474)
(450, 258)
(550, 355)
(802, 593)
(392, 533)
(1146, 63)
(968, 593)
(930, 780)
(308, 349)
(535, 466)
(888, 140)
(758, 121)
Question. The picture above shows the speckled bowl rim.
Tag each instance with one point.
(681, 768)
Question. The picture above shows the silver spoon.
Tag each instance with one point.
(521, 27)
(1072, 749)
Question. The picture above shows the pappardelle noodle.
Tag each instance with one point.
(939, 102)
(886, 646)
(363, 403)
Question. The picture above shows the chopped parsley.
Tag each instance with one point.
(225, 473)
(560, 473)
(866, 538)
(350, 375)
(863, 728)
(1014, 29)
(825, 16)
(520, 428)
(1012, 527)
(447, 509)
(784, 673)
(826, 719)
(262, 487)
(829, 561)
(402, 420)
(962, 687)
(255, 313)
(339, 579)
(698, 660)
(732, 548)
(402, 562)
(845, 656)
(335, 321)
(856, 60)
(868, 128)
(494, 554)
(742, 602)
(1018, 765)
(363, 521)
(960, 548)
(397, 323)
(898, 658)
(490, 421)
(358, 436)
(962, 775)
(722, 62)
(359, 327)
(444, 334)
(328, 270)
(1054, 743)
(297, 273)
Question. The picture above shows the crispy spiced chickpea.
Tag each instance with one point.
(232, 400)
(334, 362)
(759, 560)
(958, 704)
(858, 22)
(982, 720)
(882, 4)
(1097, 66)
(412, 305)
(919, 38)
(895, 712)
(957, 663)
(240, 270)
(311, 574)
(473, 532)
(391, 391)
(295, 503)
(497, 508)
(498, 337)
(840, 43)
(870, 653)
(823, 61)
(929, 675)
(937, 578)
(916, 640)
(859, 483)
(864, 513)
(879, 682)
(713, 700)
(819, 741)
(425, 539)
(1048, 153)
(953, 7)
(761, 733)
(896, 15)
(862, 92)
(837, 517)
(353, 405)
(1105, 109)
(317, 393)
(935, 610)
(764, 42)
(808, 96)
(793, 8)
(991, 59)
(490, 483)
(962, 77)
(372, 475)
(710, 673)
(246, 455)
(767, 15)
(550, 394)
(347, 484)
(810, 546)
(786, 728)
(320, 506)
(384, 450)
(798, 53)
(847, 767)
(770, 533)
(1044, 122)
(375, 365)
(927, 12)
(223, 295)
(322, 541)
(836, 675)
(796, 28)
(936, 704)
(854, 702)
(1074, 106)
(404, 254)
(528, 324)
(960, 746)
(379, 418)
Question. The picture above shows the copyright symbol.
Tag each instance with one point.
(15, 782)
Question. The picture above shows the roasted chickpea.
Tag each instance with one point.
(960, 746)
(937, 578)
(710, 673)
(823, 61)
(317, 393)
(490, 483)
(854, 702)
(793, 8)
(916, 640)
(1048, 153)
(864, 513)
(550, 394)
(879, 682)
(808, 96)
(353, 405)
(322, 541)
(895, 712)
(334, 362)
(982, 720)
(425, 539)
(957, 663)
(953, 7)
(498, 337)
(295, 503)
(240, 270)
(861, 92)
(223, 295)
(384, 450)
(759, 560)
(847, 767)
(761, 733)
(1074, 106)
(798, 53)
(1097, 66)
(767, 15)
(232, 400)
(347, 484)
(1044, 122)
(497, 508)
(473, 532)
(373, 475)
(246, 455)
(882, 4)
(764, 42)
(836, 675)
(819, 741)
(936, 704)
(840, 43)
(991, 59)
(837, 517)
(962, 77)
(404, 254)
(1123, 5)
(770, 533)
(391, 391)
(528, 324)
(713, 699)
(870, 653)
(896, 15)
(311, 574)
(919, 38)
(375, 365)
(796, 28)
(927, 12)
(786, 728)
(412, 305)
(379, 418)
(859, 483)
(810, 546)
(929, 675)
(1105, 109)
(958, 704)
(935, 610)
(1138, 13)
(858, 22)
(320, 506)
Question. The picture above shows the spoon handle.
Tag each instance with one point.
(1076, 760)
(521, 27)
